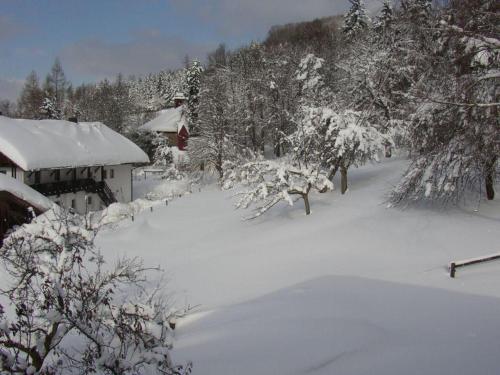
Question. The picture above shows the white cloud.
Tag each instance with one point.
(148, 51)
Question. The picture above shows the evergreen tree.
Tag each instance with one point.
(49, 110)
(31, 98)
(385, 18)
(193, 77)
(7, 108)
(356, 19)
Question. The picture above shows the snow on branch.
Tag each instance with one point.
(270, 182)
(67, 312)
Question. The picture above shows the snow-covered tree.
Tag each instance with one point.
(386, 16)
(267, 183)
(455, 133)
(356, 19)
(49, 109)
(337, 140)
(418, 9)
(218, 140)
(282, 95)
(67, 312)
(193, 82)
(163, 152)
(156, 91)
(310, 76)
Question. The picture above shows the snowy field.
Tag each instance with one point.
(354, 288)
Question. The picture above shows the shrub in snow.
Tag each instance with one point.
(69, 313)
(270, 182)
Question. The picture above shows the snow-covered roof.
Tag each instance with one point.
(37, 144)
(24, 192)
(179, 95)
(168, 120)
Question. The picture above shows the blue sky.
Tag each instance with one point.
(100, 38)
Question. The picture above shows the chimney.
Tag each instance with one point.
(179, 99)
(73, 119)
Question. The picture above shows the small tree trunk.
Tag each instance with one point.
(388, 151)
(343, 179)
(305, 197)
(333, 172)
(490, 191)
(219, 169)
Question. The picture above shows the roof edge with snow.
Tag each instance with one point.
(46, 144)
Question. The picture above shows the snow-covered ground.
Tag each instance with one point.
(354, 288)
(153, 186)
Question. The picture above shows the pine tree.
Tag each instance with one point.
(31, 98)
(193, 77)
(385, 18)
(49, 110)
(356, 20)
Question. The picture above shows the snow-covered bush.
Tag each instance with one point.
(66, 312)
(270, 182)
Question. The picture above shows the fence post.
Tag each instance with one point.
(452, 270)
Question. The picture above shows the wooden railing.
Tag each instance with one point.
(468, 262)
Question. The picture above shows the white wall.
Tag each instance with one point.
(121, 183)
(81, 205)
(18, 173)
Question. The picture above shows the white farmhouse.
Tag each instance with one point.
(84, 166)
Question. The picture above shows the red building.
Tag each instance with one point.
(172, 124)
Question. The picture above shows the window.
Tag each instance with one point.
(3, 171)
(104, 174)
(38, 177)
(111, 173)
(73, 204)
(89, 200)
(57, 175)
